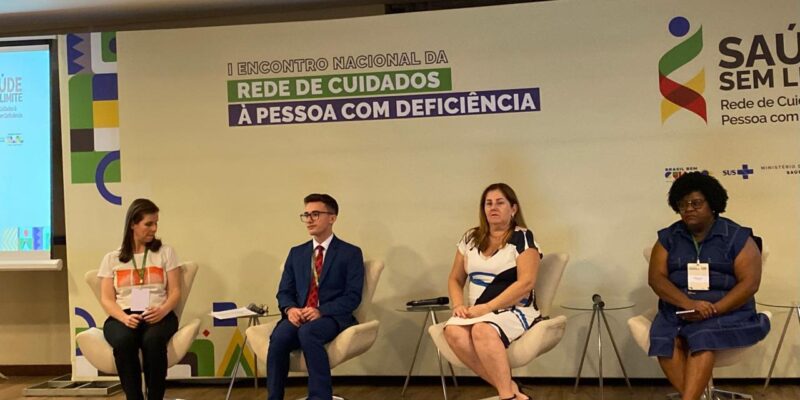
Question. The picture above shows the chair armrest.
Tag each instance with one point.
(181, 342)
(96, 349)
(640, 330)
(258, 339)
(540, 339)
(352, 342)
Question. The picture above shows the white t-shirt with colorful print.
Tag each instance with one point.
(125, 276)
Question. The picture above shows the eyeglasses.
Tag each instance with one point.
(696, 204)
(312, 216)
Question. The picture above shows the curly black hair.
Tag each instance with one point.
(712, 190)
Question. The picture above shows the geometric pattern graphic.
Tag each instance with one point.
(228, 362)
(687, 95)
(201, 357)
(94, 110)
(223, 306)
(9, 239)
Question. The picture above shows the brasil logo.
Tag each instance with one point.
(687, 95)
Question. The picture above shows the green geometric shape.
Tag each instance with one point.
(245, 365)
(80, 102)
(204, 350)
(105, 45)
(84, 166)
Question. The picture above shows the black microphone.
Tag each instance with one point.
(258, 309)
(436, 301)
(598, 301)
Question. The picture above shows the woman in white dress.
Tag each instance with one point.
(500, 259)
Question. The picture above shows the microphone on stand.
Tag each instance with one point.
(598, 301)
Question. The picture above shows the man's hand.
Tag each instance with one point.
(295, 316)
(310, 313)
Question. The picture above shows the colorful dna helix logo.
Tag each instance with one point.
(687, 95)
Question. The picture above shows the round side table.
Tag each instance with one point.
(597, 305)
(430, 314)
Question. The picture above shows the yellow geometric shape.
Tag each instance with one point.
(236, 342)
(106, 114)
(697, 83)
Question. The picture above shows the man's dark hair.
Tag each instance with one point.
(324, 198)
(712, 190)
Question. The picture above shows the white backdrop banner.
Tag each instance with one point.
(588, 109)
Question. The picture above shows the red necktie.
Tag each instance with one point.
(313, 292)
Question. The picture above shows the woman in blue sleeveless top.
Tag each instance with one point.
(705, 269)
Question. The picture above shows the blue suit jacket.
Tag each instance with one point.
(340, 285)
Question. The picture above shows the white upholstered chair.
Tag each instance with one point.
(99, 353)
(350, 343)
(544, 335)
(640, 330)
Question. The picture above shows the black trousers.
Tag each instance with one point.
(152, 341)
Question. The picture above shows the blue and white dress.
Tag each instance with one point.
(490, 276)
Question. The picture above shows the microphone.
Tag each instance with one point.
(598, 301)
(258, 309)
(436, 301)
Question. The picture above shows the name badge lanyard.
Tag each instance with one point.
(139, 271)
(697, 247)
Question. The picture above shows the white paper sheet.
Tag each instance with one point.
(235, 313)
(140, 299)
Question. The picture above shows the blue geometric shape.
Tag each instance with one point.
(104, 87)
(38, 242)
(679, 26)
(89, 321)
(222, 306)
(73, 54)
(99, 178)
(745, 172)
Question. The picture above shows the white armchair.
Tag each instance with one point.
(350, 343)
(543, 336)
(99, 353)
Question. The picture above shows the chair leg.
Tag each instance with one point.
(718, 394)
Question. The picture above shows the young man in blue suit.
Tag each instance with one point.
(320, 288)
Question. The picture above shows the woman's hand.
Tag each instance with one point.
(702, 310)
(131, 320)
(152, 315)
(478, 310)
(460, 311)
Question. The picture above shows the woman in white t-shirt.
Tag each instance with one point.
(500, 259)
(140, 287)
